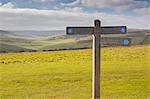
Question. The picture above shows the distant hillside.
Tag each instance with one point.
(137, 30)
(146, 40)
(4, 32)
(38, 34)
(12, 41)
(32, 34)
(12, 48)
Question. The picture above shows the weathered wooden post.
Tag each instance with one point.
(96, 59)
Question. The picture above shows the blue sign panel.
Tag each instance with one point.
(123, 29)
(69, 30)
(126, 41)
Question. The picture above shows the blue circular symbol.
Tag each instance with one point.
(123, 29)
(126, 42)
(69, 30)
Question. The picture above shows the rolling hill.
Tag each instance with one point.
(13, 48)
(12, 41)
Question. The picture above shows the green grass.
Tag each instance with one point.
(125, 74)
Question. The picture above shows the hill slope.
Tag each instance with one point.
(12, 48)
(57, 40)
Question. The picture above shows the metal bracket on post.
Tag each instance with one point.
(96, 59)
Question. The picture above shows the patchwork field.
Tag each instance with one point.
(125, 74)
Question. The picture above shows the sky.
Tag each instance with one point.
(57, 14)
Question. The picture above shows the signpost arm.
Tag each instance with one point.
(96, 60)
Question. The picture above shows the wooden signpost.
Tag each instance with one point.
(97, 31)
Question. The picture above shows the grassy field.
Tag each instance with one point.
(125, 74)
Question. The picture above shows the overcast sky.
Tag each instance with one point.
(57, 14)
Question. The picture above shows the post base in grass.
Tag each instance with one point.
(96, 98)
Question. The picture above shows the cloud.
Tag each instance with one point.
(114, 3)
(74, 3)
(143, 11)
(118, 5)
(69, 9)
(7, 5)
(43, 0)
(34, 19)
